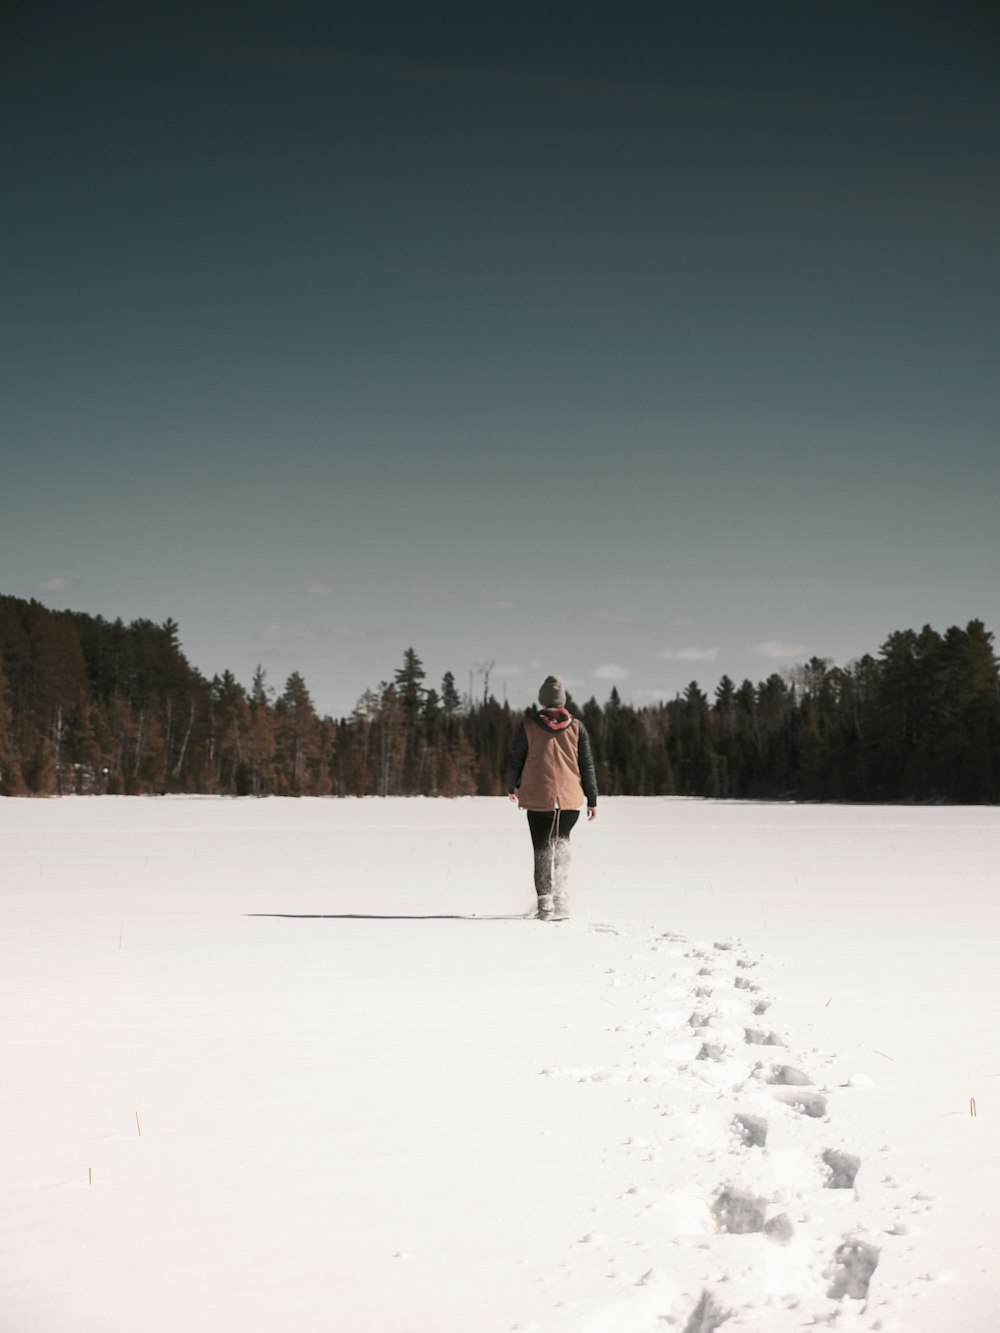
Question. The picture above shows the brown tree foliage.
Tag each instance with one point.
(92, 706)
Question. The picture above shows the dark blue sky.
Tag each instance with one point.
(632, 342)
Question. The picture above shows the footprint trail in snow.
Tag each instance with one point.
(745, 1209)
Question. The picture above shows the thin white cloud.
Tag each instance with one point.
(320, 589)
(691, 654)
(506, 670)
(610, 617)
(652, 696)
(58, 584)
(777, 650)
(501, 605)
(611, 671)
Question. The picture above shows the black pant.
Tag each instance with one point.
(550, 830)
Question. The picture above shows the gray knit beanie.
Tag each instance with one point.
(553, 693)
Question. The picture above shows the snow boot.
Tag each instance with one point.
(560, 907)
(545, 907)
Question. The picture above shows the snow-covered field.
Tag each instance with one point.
(300, 1066)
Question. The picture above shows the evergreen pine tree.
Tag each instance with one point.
(9, 785)
(408, 677)
(260, 746)
(451, 700)
(297, 750)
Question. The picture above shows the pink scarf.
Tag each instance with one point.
(556, 719)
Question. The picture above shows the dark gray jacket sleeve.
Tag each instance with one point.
(588, 774)
(515, 760)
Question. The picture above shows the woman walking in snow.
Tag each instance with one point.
(550, 773)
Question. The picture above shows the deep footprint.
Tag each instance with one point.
(806, 1103)
(854, 1263)
(843, 1167)
(789, 1076)
(761, 1037)
(709, 1051)
(780, 1229)
(739, 1213)
(706, 1316)
(752, 1129)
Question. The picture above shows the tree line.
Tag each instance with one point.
(93, 706)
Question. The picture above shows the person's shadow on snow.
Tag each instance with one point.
(380, 916)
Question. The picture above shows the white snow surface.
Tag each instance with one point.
(303, 1065)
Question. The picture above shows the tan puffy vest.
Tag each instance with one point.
(551, 773)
